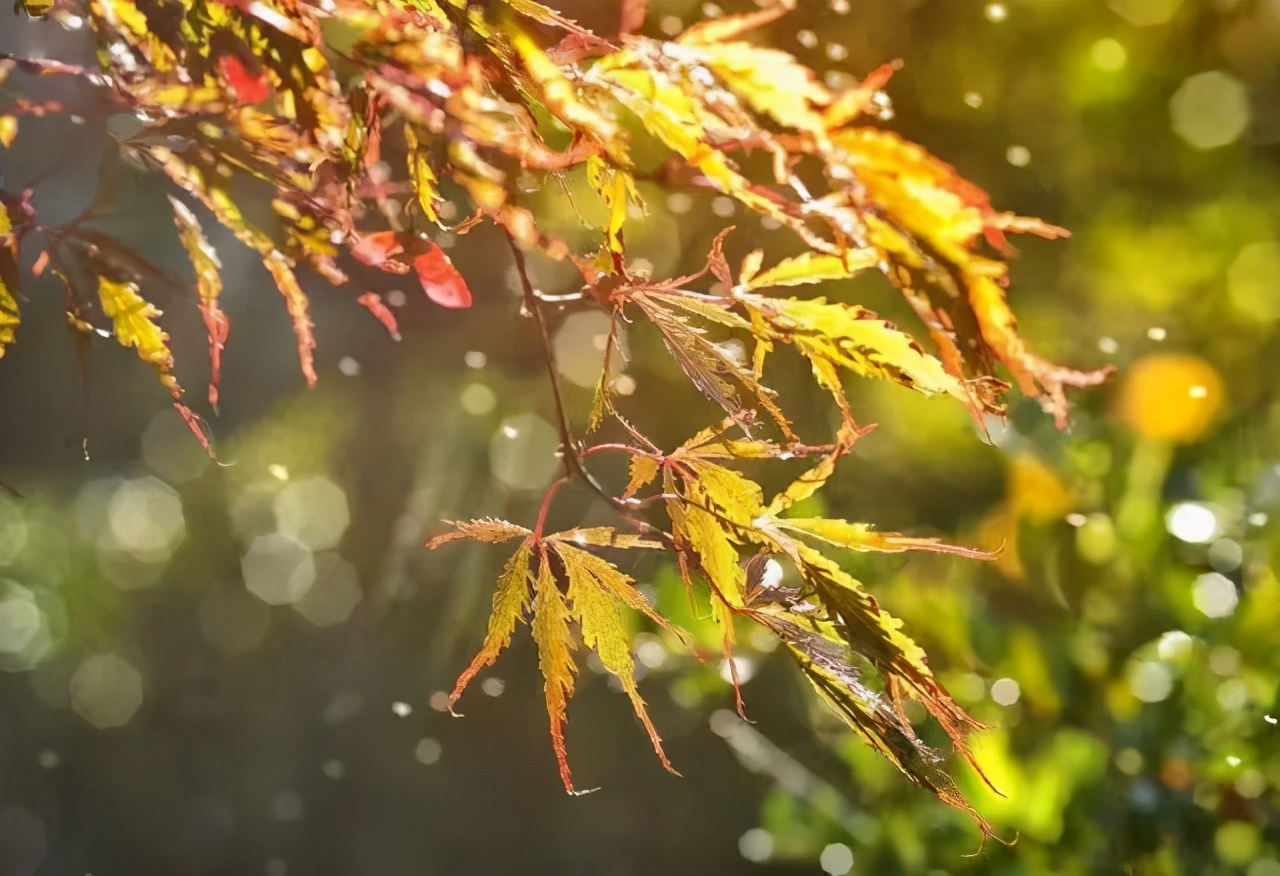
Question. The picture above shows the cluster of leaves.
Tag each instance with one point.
(301, 105)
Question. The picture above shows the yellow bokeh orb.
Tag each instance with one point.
(1171, 397)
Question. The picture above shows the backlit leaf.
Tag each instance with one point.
(555, 659)
(9, 317)
(861, 537)
(594, 585)
(440, 279)
(372, 302)
(772, 82)
(299, 311)
(487, 529)
(509, 601)
(421, 175)
(133, 321)
(642, 469)
(204, 261)
(604, 536)
(850, 337)
(813, 268)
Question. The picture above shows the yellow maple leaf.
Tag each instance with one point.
(555, 659)
(133, 320)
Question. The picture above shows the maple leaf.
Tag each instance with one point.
(238, 99)
(299, 310)
(594, 593)
(372, 302)
(810, 267)
(207, 267)
(9, 316)
(440, 279)
(133, 320)
(248, 86)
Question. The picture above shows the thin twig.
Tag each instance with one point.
(533, 307)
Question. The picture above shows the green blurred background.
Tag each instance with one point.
(238, 668)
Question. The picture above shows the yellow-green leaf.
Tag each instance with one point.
(851, 337)
(133, 319)
(861, 537)
(8, 130)
(486, 529)
(509, 601)
(299, 311)
(772, 82)
(594, 585)
(421, 176)
(642, 470)
(813, 267)
(617, 188)
(207, 267)
(9, 317)
(561, 97)
(555, 658)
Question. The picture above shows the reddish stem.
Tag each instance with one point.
(546, 503)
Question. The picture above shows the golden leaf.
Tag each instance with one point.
(132, 317)
(727, 27)
(421, 175)
(861, 537)
(296, 302)
(555, 658)
(813, 267)
(560, 96)
(207, 267)
(9, 316)
(642, 470)
(670, 114)
(703, 533)
(604, 536)
(8, 130)
(509, 601)
(850, 337)
(812, 480)
(617, 189)
(486, 529)
(773, 82)
(594, 585)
